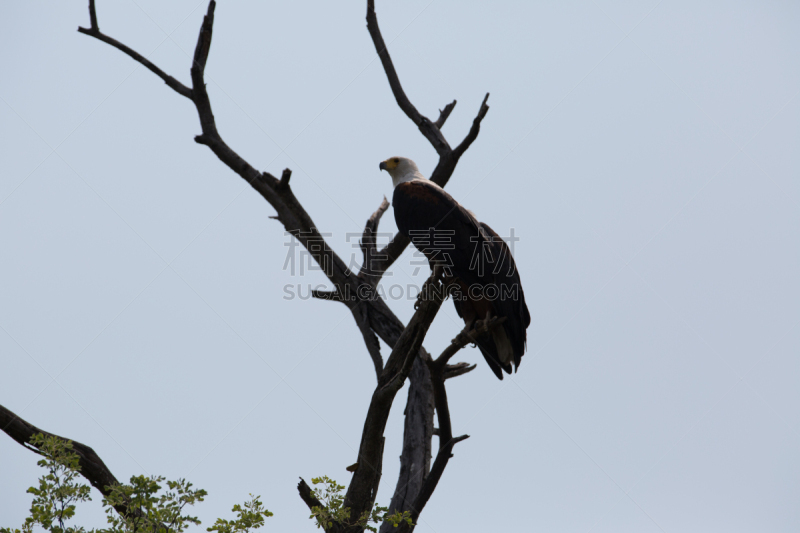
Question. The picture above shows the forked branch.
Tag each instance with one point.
(439, 369)
(95, 32)
(277, 192)
(448, 157)
(366, 478)
(428, 128)
(444, 113)
(370, 314)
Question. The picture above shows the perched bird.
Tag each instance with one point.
(477, 263)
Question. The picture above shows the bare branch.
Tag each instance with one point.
(364, 484)
(307, 495)
(438, 369)
(297, 221)
(289, 210)
(204, 40)
(459, 369)
(93, 16)
(473, 131)
(448, 158)
(383, 52)
(415, 458)
(371, 227)
(201, 100)
(285, 177)
(446, 444)
(361, 314)
(369, 245)
(388, 255)
(432, 293)
(401, 501)
(95, 32)
(444, 113)
(428, 128)
(332, 296)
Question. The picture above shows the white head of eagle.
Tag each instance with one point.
(401, 169)
(482, 276)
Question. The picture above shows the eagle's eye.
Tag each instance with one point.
(396, 160)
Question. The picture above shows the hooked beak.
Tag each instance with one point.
(382, 166)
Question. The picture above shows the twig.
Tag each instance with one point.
(332, 296)
(474, 130)
(307, 495)
(444, 113)
(95, 32)
(458, 369)
(285, 177)
(428, 128)
(93, 16)
(210, 136)
(368, 244)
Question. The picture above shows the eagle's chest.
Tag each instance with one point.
(419, 206)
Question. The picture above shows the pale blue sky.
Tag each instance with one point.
(646, 154)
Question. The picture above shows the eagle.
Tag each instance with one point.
(479, 270)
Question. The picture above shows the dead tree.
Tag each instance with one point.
(408, 359)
